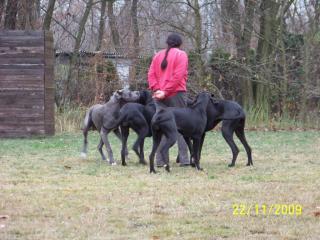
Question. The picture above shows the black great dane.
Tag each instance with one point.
(233, 121)
(137, 116)
(202, 116)
(190, 122)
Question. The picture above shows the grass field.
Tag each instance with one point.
(48, 192)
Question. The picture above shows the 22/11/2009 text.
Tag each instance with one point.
(267, 210)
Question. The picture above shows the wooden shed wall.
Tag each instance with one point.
(26, 83)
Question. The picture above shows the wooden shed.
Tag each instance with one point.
(26, 83)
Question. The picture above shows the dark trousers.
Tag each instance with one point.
(178, 100)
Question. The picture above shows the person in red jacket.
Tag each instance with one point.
(167, 78)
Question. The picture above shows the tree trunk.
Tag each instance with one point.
(101, 24)
(317, 28)
(113, 26)
(266, 43)
(11, 14)
(72, 78)
(134, 53)
(26, 14)
(305, 84)
(242, 42)
(100, 62)
(200, 70)
(49, 13)
(244, 51)
(2, 3)
(38, 9)
(285, 81)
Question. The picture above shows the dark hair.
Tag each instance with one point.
(173, 40)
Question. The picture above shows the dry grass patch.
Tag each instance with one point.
(49, 192)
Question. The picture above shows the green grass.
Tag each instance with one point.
(48, 192)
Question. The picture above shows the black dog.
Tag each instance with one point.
(190, 122)
(233, 121)
(138, 117)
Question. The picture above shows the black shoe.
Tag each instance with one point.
(185, 165)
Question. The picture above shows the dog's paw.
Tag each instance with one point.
(83, 155)
(113, 163)
(231, 165)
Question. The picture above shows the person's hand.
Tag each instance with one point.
(159, 95)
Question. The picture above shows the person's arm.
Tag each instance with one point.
(180, 70)
(152, 78)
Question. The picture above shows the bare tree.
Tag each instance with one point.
(101, 24)
(2, 7)
(49, 13)
(11, 14)
(134, 53)
(242, 36)
(113, 26)
(72, 70)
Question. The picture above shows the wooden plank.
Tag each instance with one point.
(22, 70)
(22, 121)
(25, 103)
(22, 60)
(21, 85)
(24, 77)
(19, 128)
(19, 112)
(18, 49)
(17, 33)
(24, 93)
(14, 67)
(49, 84)
(21, 41)
(13, 131)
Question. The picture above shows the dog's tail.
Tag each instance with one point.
(87, 125)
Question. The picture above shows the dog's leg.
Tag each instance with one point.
(125, 134)
(142, 160)
(240, 134)
(119, 136)
(196, 150)
(227, 133)
(189, 144)
(104, 135)
(178, 159)
(85, 142)
(139, 147)
(171, 138)
(183, 151)
(201, 144)
(156, 136)
(100, 150)
(142, 129)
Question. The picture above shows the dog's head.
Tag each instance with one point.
(127, 95)
(145, 97)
